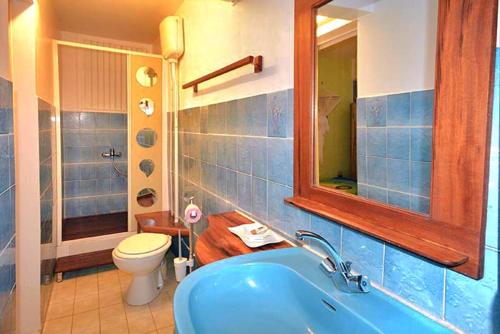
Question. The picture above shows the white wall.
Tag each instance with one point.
(218, 33)
(397, 47)
(4, 40)
(24, 31)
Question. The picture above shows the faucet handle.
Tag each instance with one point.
(364, 283)
(328, 266)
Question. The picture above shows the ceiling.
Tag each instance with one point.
(129, 20)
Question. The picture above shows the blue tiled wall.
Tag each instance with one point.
(45, 143)
(45, 113)
(233, 159)
(7, 209)
(91, 185)
(394, 138)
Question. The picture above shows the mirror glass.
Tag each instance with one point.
(374, 99)
(147, 166)
(146, 197)
(146, 76)
(147, 137)
(147, 106)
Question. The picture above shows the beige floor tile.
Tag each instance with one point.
(86, 303)
(58, 326)
(108, 274)
(59, 309)
(125, 281)
(86, 323)
(163, 315)
(113, 319)
(91, 278)
(166, 330)
(140, 319)
(110, 297)
(87, 285)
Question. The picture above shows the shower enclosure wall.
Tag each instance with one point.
(94, 142)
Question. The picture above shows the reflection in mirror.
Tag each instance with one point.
(146, 76)
(147, 106)
(374, 99)
(146, 197)
(146, 137)
(147, 166)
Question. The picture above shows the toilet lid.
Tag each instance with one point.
(142, 243)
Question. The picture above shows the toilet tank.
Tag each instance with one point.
(172, 37)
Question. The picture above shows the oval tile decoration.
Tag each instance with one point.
(146, 197)
(147, 166)
(146, 137)
(147, 106)
(146, 76)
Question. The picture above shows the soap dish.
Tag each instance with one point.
(267, 236)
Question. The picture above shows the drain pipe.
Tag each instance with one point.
(172, 45)
(175, 104)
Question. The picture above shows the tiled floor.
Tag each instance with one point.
(93, 303)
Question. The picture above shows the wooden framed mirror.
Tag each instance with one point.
(443, 217)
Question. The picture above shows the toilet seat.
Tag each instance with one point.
(142, 245)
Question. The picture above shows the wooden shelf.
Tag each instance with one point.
(420, 246)
(160, 222)
(218, 243)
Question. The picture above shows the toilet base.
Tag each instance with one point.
(144, 288)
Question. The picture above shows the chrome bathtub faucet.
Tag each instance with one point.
(335, 267)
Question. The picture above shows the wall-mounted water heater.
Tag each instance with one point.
(172, 38)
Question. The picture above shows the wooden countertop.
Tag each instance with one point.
(218, 243)
(160, 222)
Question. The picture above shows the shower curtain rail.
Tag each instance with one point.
(255, 61)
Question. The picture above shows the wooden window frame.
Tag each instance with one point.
(454, 231)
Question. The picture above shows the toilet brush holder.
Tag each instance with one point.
(180, 266)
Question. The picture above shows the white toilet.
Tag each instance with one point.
(141, 255)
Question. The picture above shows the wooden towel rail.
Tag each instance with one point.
(255, 61)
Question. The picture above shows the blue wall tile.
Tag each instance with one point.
(328, 230)
(7, 206)
(376, 111)
(376, 168)
(277, 114)
(398, 143)
(259, 157)
(259, 198)
(256, 112)
(280, 161)
(376, 142)
(245, 192)
(469, 304)
(85, 136)
(421, 144)
(244, 151)
(422, 107)
(398, 109)
(415, 279)
(4, 163)
(361, 112)
(420, 178)
(376, 194)
(401, 200)
(365, 253)
(361, 141)
(398, 174)
(473, 305)
(420, 204)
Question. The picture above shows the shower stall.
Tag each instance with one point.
(109, 143)
(94, 142)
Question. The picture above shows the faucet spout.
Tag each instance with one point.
(335, 267)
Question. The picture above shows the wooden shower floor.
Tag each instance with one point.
(92, 226)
